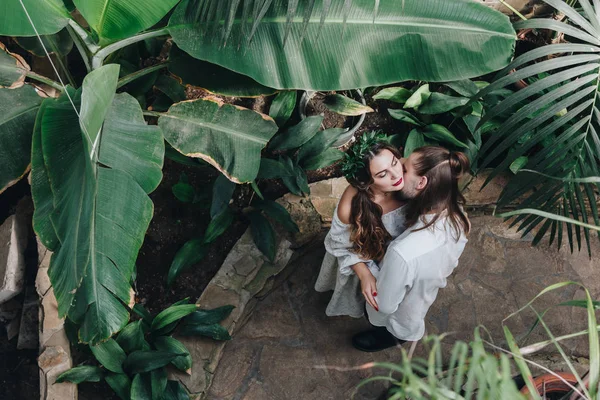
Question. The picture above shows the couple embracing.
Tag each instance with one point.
(396, 235)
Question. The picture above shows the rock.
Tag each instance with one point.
(51, 323)
(42, 281)
(320, 189)
(325, 207)
(234, 368)
(28, 332)
(476, 196)
(13, 241)
(338, 186)
(303, 213)
(53, 362)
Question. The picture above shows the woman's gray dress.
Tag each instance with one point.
(336, 273)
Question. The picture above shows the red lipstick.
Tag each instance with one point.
(397, 183)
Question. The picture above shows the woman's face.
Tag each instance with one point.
(386, 171)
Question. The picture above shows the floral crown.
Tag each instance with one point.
(353, 158)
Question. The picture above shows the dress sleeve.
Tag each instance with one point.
(337, 243)
(394, 280)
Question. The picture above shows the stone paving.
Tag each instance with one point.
(284, 349)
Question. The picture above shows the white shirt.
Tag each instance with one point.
(414, 268)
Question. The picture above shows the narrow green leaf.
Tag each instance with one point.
(110, 355)
(208, 317)
(319, 143)
(256, 189)
(345, 106)
(141, 387)
(158, 383)
(263, 235)
(171, 345)
(405, 116)
(441, 134)
(171, 88)
(418, 97)
(222, 191)
(414, 141)
(183, 191)
(172, 314)
(278, 213)
(141, 311)
(439, 103)
(325, 159)
(121, 384)
(218, 225)
(84, 373)
(395, 94)
(146, 361)
(282, 106)
(189, 254)
(175, 391)
(465, 87)
(518, 164)
(298, 134)
(131, 338)
(548, 215)
(580, 303)
(214, 331)
(272, 169)
(525, 372)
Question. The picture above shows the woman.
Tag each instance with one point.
(367, 218)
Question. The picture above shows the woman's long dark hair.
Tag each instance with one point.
(368, 234)
(443, 168)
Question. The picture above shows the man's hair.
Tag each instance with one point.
(442, 168)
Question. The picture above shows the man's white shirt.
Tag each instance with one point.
(416, 265)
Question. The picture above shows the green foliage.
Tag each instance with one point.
(134, 365)
(18, 108)
(343, 105)
(282, 107)
(481, 369)
(228, 137)
(427, 30)
(554, 123)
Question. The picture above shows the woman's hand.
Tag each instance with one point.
(368, 283)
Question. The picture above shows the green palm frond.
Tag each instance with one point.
(555, 122)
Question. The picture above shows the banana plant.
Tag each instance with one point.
(552, 129)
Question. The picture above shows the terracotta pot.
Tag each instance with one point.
(551, 383)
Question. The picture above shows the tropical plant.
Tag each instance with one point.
(94, 159)
(134, 364)
(552, 130)
(483, 370)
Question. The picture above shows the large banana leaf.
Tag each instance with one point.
(332, 45)
(554, 121)
(18, 108)
(48, 16)
(118, 19)
(228, 137)
(100, 168)
(12, 69)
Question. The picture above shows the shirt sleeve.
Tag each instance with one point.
(337, 243)
(394, 280)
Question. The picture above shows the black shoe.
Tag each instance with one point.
(375, 340)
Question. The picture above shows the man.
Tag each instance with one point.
(418, 262)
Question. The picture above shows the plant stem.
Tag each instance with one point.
(511, 8)
(149, 113)
(84, 36)
(45, 80)
(103, 53)
(80, 47)
(138, 74)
